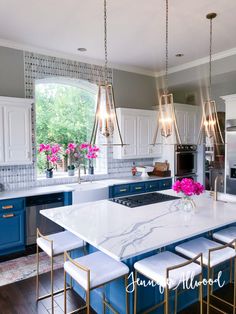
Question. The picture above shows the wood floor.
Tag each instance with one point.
(19, 298)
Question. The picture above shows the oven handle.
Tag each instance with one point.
(178, 153)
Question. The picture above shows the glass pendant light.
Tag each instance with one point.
(167, 124)
(106, 122)
(210, 126)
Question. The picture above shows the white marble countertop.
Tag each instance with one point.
(84, 186)
(123, 232)
(35, 191)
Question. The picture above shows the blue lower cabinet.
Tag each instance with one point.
(165, 184)
(12, 232)
(137, 188)
(12, 226)
(140, 187)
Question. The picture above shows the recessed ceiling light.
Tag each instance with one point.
(179, 55)
(82, 49)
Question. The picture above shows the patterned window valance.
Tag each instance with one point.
(39, 66)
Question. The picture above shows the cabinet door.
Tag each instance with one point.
(191, 127)
(143, 136)
(12, 232)
(181, 122)
(1, 136)
(154, 151)
(17, 135)
(128, 127)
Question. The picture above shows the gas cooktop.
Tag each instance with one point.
(143, 199)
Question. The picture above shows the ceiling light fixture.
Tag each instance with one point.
(106, 121)
(210, 126)
(166, 123)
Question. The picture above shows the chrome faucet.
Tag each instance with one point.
(215, 189)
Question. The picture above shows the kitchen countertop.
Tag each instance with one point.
(123, 232)
(35, 191)
(84, 186)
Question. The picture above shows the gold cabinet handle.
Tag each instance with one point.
(8, 216)
(123, 190)
(138, 188)
(7, 207)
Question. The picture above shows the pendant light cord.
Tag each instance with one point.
(167, 39)
(105, 43)
(210, 58)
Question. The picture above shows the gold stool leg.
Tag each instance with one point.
(166, 301)
(230, 274)
(200, 295)
(176, 301)
(65, 309)
(208, 290)
(126, 295)
(37, 273)
(135, 291)
(88, 302)
(103, 302)
(52, 298)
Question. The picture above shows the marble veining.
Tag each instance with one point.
(123, 232)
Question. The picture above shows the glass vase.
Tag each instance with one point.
(187, 204)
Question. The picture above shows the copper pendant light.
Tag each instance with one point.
(106, 122)
(166, 120)
(210, 126)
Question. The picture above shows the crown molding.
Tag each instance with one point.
(73, 57)
(201, 61)
(132, 69)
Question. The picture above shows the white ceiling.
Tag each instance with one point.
(136, 29)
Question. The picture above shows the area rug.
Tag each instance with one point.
(25, 267)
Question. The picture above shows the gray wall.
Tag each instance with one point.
(134, 90)
(131, 90)
(11, 73)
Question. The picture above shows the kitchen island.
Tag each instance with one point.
(130, 234)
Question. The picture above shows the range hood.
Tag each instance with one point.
(231, 125)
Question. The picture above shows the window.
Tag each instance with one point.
(65, 112)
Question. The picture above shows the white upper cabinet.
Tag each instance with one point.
(188, 120)
(137, 129)
(16, 140)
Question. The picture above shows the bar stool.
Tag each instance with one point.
(92, 271)
(54, 245)
(168, 270)
(213, 255)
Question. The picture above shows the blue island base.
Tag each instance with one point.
(147, 296)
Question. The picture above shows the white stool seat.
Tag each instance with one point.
(154, 268)
(102, 269)
(202, 245)
(226, 235)
(62, 241)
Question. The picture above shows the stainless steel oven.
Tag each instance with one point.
(185, 160)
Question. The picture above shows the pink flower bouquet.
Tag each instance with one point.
(188, 187)
(52, 154)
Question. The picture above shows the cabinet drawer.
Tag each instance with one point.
(152, 186)
(12, 230)
(121, 189)
(165, 184)
(137, 188)
(12, 204)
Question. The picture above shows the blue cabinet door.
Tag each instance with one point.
(165, 184)
(12, 231)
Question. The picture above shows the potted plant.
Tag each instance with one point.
(72, 157)
(52, 157)
(91, 155)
